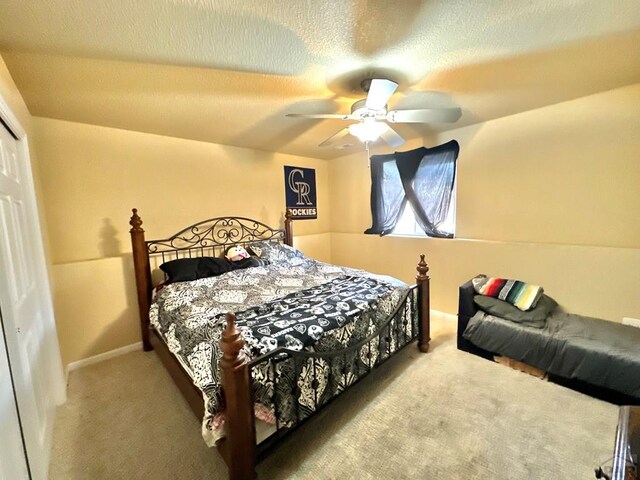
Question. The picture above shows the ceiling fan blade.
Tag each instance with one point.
(320, 115)
(380, 92)
(392, 138)
(334, 138)
(426, 115)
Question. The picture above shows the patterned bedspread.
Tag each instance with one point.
(300, 319)
(190, 315)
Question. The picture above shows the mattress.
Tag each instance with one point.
(190, 318)
(572, 346)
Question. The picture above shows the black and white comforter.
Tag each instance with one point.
(300, 319)
(302, 294)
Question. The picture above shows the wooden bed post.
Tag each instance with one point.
(424, 325)
(238, 399)
(288, 228)
(143, 275)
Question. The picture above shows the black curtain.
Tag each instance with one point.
(387, 195)
(424, 177)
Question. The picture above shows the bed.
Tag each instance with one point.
(235, 344)
(591, 355)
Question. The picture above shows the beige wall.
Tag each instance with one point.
(595, 281)
(93, 176)
(565, 174)
(549, 196)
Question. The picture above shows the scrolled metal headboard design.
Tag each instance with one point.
(217, 232)
(202, 238)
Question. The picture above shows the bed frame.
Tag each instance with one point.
(210, 238)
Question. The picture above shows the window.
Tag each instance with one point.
(409, 226)
(412, 193)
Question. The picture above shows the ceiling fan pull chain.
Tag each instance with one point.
(366, 146)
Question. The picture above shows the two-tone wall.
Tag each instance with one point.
(550, 196)
(93, 176)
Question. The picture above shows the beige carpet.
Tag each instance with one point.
(446, 415)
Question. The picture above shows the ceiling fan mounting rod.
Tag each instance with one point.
(366, 85)
(360, 109)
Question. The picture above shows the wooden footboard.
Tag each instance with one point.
(239, 445)
(210, 237)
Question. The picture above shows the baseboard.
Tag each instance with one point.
(138, 346)
(101, 357)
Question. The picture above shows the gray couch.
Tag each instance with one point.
(593, 356)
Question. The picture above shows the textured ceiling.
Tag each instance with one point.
(227, 71)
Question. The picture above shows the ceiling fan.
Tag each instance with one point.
(371, 115)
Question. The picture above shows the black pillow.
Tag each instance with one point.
(536, 317)
(187, 269)
(213, 266)
(181, 270)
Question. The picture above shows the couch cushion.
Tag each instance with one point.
(536, 317)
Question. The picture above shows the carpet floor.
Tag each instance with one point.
(446, 415)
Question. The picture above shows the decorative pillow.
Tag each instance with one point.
(181, 270)
(187, 269)
(536, 317)
(235, 253)
(522, 295)
(275, 252)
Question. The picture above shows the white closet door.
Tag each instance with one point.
(13, 464)
(23, 304)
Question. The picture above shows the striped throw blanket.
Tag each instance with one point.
(520, 294)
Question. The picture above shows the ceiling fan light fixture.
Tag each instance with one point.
(368, 131)
(372, 113)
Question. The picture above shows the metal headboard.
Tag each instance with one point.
(211, 237)
(208, 237)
